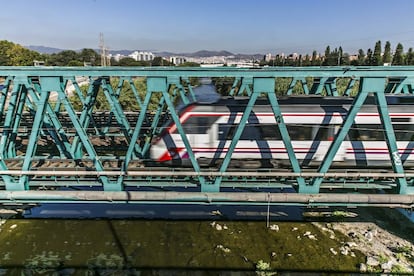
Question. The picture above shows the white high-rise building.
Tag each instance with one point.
(178, 60)
(142, 56)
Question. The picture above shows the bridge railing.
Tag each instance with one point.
(65, 146)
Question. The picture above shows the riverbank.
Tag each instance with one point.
(383, 235)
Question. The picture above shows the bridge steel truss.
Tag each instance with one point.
(42, 94)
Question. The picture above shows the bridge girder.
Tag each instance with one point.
(31, 90)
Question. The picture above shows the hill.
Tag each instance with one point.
(44, 49)
(199, 54)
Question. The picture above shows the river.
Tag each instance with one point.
(132, 239)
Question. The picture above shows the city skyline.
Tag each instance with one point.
(261, 26)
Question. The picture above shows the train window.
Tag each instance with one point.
(401, 120)
(227, 131)
(198, 124)
(365, 132)
(270, 132)
(311, 132)
(362, 132)
(300, 132)
(250, 132)
(324, 132)
(404, 132)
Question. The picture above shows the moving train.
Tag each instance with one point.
(312, 123)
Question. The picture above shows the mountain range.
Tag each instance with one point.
(202, 53)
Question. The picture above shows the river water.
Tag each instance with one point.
(114, 239)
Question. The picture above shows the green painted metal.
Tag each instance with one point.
(234, 86)
(3, 96)
(81, 133)
(134, 90)
(160, 84)
(350, 87)
(116, 108)
(403, 85)
(31, 148)
(18, 85)
(282, 127)
(302, 81)
(11, 151)
(189, 96)
(30, 89)
(52, 124)
(86, 115)
(377, 85)
(314, 185)
(243, 86)
(236, 137)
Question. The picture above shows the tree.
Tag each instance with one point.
(361, 57)
(376, 57)
(368, 60)
(327, 55)
(159, 61)
(63, 58)
(75, 63)
(345, 60)
(89, 56)
(398, 58)
(306, 61)
(12, 54)
(189, 64)
(410, 57)
(128, 61)
(340, 55)
(314, 60)
(386, 58)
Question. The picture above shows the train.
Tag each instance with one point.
(312, 123)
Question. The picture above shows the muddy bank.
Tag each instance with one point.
(383, 235)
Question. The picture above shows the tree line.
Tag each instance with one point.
(337, 57)
(12, 54)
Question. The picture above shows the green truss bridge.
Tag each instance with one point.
(60, 143)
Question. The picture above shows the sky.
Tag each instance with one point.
(182, 26)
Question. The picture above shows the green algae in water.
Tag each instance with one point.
(119, 244)
(106, 261)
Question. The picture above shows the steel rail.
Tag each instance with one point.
(205, 173)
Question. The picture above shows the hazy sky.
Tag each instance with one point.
(240, 26)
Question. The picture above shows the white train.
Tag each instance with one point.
(312, 123)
